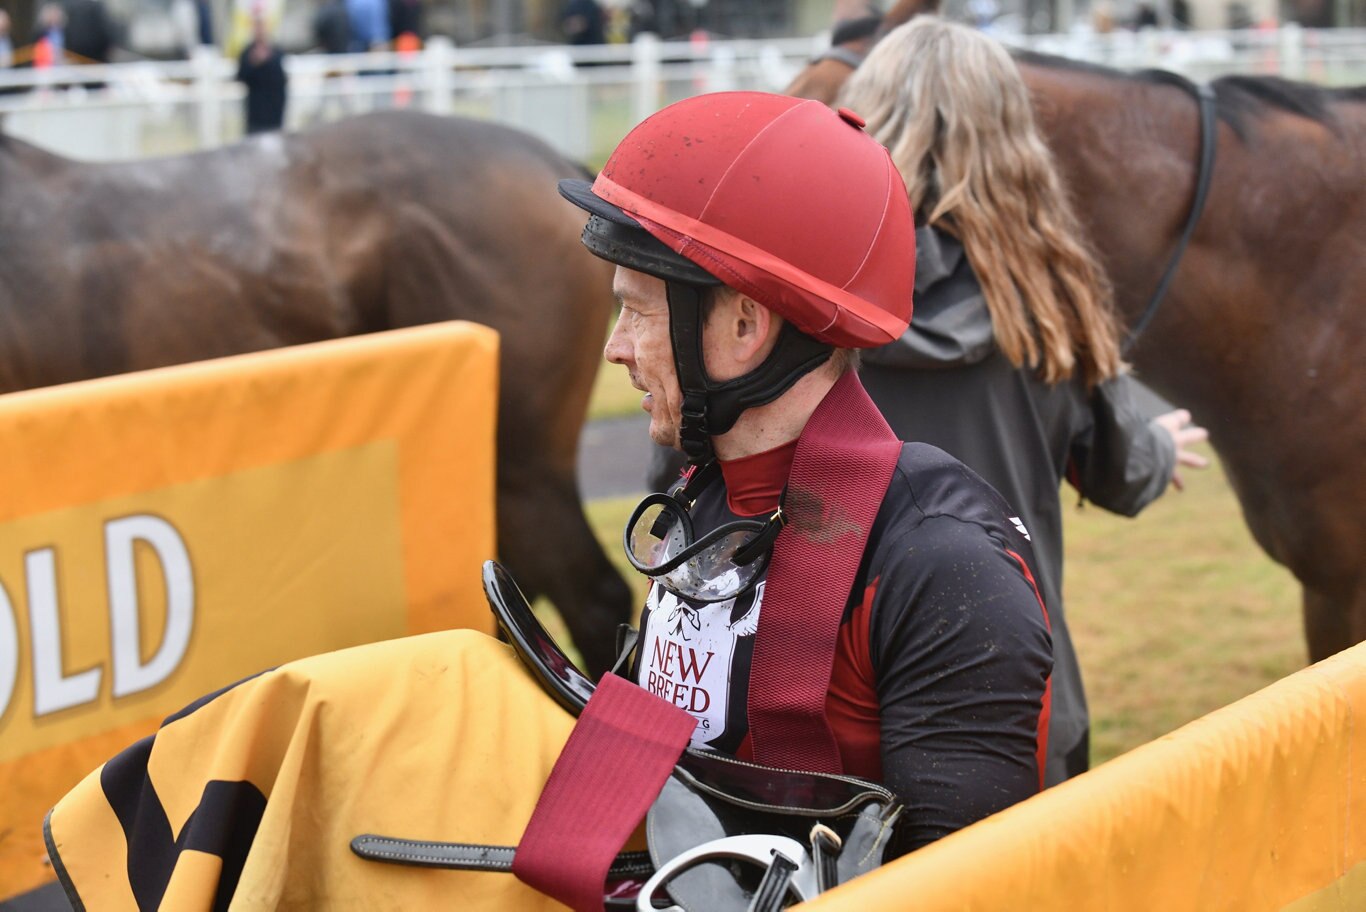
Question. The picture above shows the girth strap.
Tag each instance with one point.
(844, 462)
(589, 807)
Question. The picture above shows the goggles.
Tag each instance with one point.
(723, 564)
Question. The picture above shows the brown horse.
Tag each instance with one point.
(378, 222)
(1263, 334)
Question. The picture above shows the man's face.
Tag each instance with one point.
(640, 343)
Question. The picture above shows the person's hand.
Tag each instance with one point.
(1183, 434)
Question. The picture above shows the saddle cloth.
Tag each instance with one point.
(249, 797)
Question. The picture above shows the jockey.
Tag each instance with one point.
(824, 597)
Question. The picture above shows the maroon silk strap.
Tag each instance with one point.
(840, 473)
(616, 760)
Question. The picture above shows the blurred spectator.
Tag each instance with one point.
(1102, 18)
(1145, 17)
(665, 18)
(643, 19)
(332, 28)
(1181, 14)
(193, 23)
(1312, 13)
(49, 45)
(6, 42)
(204, 17)
(90, 31)
(261, 68)
(583, 22)
(405, 18)
(369, 24)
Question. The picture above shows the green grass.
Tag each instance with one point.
(1174, 614)
(610, 119)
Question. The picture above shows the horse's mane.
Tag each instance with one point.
(848, 31)
(1243, 96)
(1240, 98)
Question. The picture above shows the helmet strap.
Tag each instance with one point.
(709, 408)
(685, 335)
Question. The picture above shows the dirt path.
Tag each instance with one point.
(613, 453)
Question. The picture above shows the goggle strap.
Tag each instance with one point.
(696, 483)
(693, 546)
(672, 510)
(660, 528)
(762, 542)
(685, 336)
(685, 495)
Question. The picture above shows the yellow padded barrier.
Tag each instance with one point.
(165, 533)
(1259, 806)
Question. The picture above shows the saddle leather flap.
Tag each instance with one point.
(554, 670)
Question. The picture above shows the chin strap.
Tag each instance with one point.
(710, 409)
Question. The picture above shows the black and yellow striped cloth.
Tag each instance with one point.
(249, 798)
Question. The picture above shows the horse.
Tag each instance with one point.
(1263, 332)
(382, 221)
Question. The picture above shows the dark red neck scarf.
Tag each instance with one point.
(754, 484)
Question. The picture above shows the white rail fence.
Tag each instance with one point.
(581, 100)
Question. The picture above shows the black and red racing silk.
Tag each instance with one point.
(843, 464)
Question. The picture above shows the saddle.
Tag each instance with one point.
(723, 835)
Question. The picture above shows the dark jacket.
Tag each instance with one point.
(332, 28)
(267, 86)
(405, 16)
(90, 32)
(583, 22)
(945, 382)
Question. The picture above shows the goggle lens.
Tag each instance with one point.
(659, 543)
(710, 575)
(659, 533)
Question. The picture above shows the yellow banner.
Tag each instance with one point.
(1259, 806)
(166, 533)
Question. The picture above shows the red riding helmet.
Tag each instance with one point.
(780, 198)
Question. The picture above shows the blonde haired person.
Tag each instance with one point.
(1012, 362)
